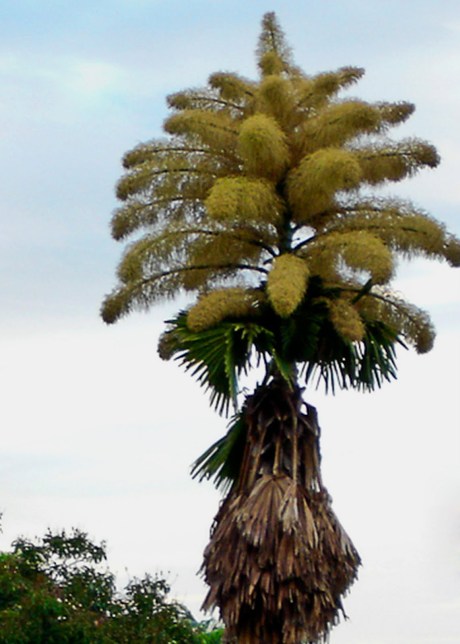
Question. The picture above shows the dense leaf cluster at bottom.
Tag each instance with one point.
(53, 591)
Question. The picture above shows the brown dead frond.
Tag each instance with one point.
(279, 561)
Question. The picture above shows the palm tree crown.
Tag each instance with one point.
(258, 202)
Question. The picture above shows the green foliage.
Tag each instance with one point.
(310, 336)
(337, 363)
(217, 356)
(53, 591)
(222, 461)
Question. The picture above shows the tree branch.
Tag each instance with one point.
(203, 267)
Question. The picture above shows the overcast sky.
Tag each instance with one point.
(97, 432)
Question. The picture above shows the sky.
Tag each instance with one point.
(96, 431)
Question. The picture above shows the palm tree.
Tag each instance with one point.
(258, 204)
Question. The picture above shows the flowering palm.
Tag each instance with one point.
(258, 203)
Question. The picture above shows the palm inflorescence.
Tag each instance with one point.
(259, 202)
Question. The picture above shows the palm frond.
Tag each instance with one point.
(363, 365)
(222, 461)
(217, 356)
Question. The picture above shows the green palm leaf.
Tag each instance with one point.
(222, 461)
(216, 357)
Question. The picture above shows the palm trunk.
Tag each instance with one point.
(279, 562)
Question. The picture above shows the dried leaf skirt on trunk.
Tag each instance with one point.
(279, 562)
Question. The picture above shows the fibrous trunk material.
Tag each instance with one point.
(278, 562)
